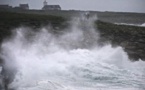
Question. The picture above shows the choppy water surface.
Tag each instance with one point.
(70, 61)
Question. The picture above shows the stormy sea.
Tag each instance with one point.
(70, 60)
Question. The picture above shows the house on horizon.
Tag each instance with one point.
(50, 7)
(24, 6)
(5, 7)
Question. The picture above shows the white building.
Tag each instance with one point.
(50, 7)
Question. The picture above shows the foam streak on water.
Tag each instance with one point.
(71, 61)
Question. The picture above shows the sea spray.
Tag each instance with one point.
(70, 61)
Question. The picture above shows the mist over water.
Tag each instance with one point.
(72, 60)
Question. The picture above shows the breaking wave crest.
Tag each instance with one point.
(70, 61)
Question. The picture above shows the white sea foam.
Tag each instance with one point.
(130, 24)
(72, 61)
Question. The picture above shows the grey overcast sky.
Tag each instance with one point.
(95, 5)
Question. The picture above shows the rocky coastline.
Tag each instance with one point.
(131, 38)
